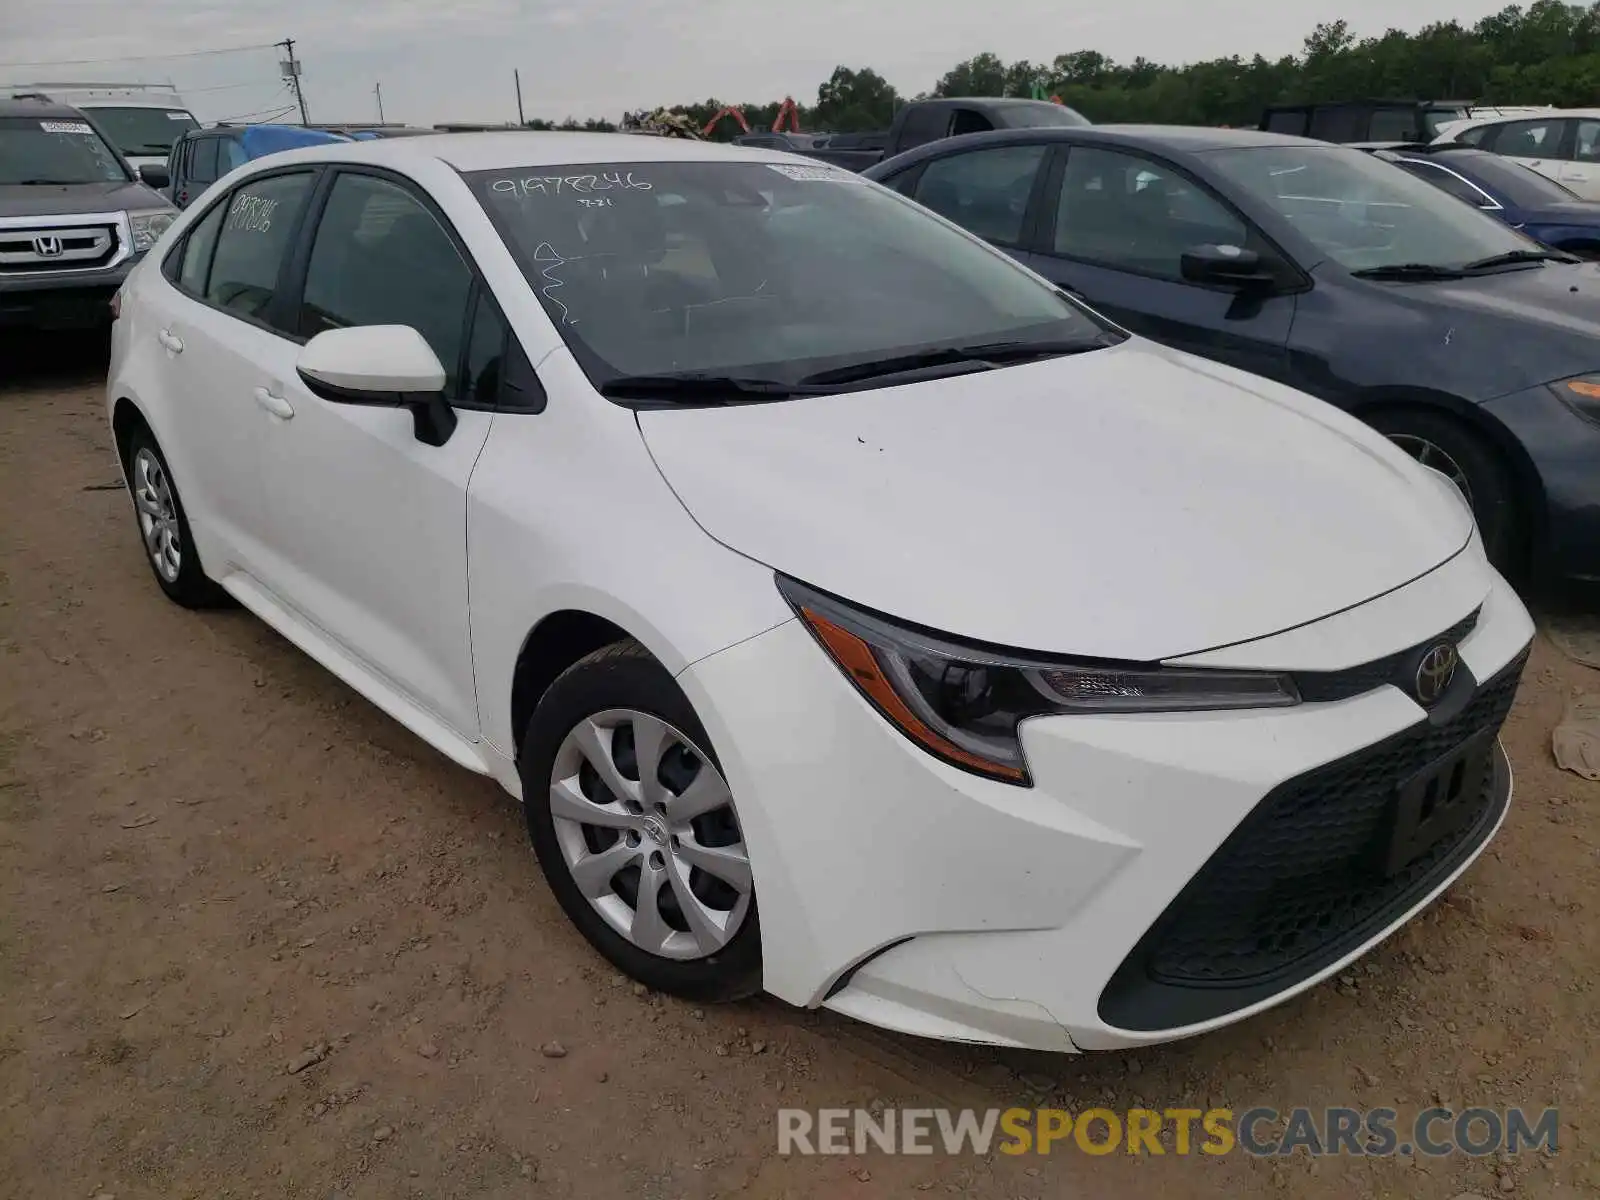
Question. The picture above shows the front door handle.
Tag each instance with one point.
(171, 341)
(274, 404)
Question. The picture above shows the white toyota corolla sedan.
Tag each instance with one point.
(856, 616)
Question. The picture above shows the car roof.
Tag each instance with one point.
(1554, 114)
(29, 106)
(518, 148)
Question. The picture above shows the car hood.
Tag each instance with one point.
(1131, 503)
(69, 199)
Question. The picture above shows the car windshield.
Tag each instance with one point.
(143, 130)
(775, 271)
(35, 150)
(1508, 180)
(1364, 213)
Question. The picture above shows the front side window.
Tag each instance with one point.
(143, 131)
(1394, 125)
(55, 150)
(925, 123)
(1362, 212)
(769, 270)
(985, 191)
(253, 241)
(1474, 136)
(380, 258)
(1136, 214)
(203, 170)
(1587, 147)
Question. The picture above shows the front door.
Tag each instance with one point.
(368, 524)
(1114, 229)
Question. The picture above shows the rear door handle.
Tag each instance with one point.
(274, 404)
(171, 341)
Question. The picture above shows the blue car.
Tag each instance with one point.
(1540, 207)
(202, 156)
(1467, 343)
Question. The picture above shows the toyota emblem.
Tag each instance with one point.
(47, 246)
(1435, 671)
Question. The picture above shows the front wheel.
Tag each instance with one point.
(636, 830)
(1468, 460)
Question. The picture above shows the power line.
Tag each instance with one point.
(84, 62)
(224, 87)
(270, 102)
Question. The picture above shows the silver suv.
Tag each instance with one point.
(73, 216)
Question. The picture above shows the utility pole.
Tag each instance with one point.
(377, 90)
(291, 72)
(517, 75)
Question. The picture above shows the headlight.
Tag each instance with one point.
(148, 226)
(963, 704)
(1581, 395)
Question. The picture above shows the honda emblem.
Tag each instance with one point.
(47, 246)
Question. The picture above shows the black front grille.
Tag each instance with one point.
(1299, 882)
(1397, 668)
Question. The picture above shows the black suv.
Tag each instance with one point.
(73, 217)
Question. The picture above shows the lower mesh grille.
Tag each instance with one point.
(1300, 881)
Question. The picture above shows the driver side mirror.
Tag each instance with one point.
(155, 175)
(1227, 266)
(385, 365)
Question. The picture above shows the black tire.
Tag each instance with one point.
(625, 675)
(191, 587)
(1489, 482)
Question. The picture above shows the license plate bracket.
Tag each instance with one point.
(1435, 802)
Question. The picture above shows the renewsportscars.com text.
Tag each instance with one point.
(1262, 1132)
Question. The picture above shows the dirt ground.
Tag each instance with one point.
(215, 857)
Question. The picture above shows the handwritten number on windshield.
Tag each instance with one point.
(557, 185)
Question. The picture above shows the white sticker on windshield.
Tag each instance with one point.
(179, 116)
(818, 174)
(65, 127)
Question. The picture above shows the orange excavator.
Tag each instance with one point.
(788, 112)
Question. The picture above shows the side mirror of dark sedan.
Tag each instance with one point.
(155, 175)
(1228, 266)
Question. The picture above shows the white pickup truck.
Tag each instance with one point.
(142, 120)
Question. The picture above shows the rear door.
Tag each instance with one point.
(217, 321)
(1114, 227)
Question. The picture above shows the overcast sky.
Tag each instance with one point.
(451, 60)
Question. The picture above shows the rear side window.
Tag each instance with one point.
(196, 262)
(1395, 125)
(1473, 137)
(924, 124)
(1444, 180)
(380, 258)
(985, 191)
(253, 242)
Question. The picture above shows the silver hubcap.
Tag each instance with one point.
(158, 515)
(1429, 455)
(646, 826)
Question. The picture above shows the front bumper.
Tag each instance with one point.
(1564, 452)
(62, 299)
(924, 899)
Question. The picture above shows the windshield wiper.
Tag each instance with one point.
(1410, 271)
(48, 182)
(1512, 257)
(982, 356)
(702, 388)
